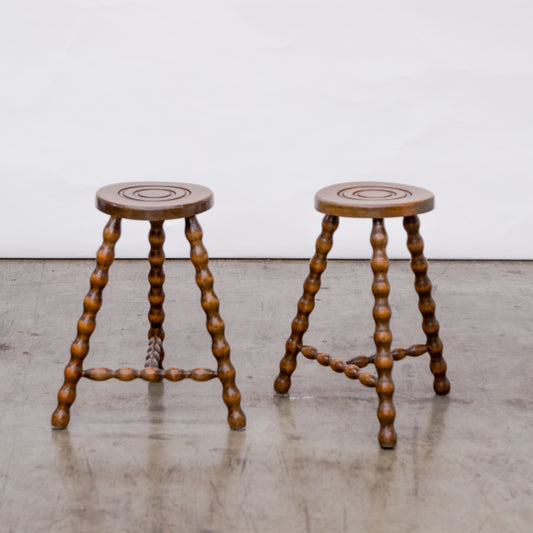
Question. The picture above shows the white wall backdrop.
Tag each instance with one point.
(265, 102)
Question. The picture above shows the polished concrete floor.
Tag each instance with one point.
(160, 457)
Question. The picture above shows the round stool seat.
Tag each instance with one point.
(153, 200)
(373, 199)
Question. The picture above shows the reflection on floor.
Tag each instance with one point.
(160, 457)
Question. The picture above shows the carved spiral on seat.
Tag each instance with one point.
(150, 192)
(376, 192)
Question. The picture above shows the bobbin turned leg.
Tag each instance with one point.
(382, 335)
(86, 324)
(156, 296)
(426, 304)
(215, 325)
(317, 265)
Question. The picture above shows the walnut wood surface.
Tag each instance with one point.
(154, 200)
(373, 199)
(215, 324)
(317, 265)
(156, 295)
(397, 354)
(352, 368)
(154, 353)
(86, 324)
(151, 374)
(426, 304)
(382, 334)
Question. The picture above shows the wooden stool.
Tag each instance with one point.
(156, 202)
(371, 200)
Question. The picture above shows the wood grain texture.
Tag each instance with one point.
(350, 370)
(215, 325)
(86, 324)
(382, 334)
(151, 374)
(397, 354)
(373, 199)
(300, 324)
(154, 200)
(154, 353)
(156, 295)
(426, 304)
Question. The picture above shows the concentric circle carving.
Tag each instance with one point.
(373, 199)
(154, 193)
(374, 193)
(153, 200)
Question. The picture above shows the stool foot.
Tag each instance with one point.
(382, 335)
(86, 324)
(387, 438)
(236, 419)
(61, 418)
(300, 324)
(282, 384)
(215, 325)
(156, 296)
(426, 304)
(442, 386)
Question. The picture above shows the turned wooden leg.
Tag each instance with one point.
(382, 335)
(156, 296)
(215, 325)
(306, 304)
(426, 304)
(86, 324)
